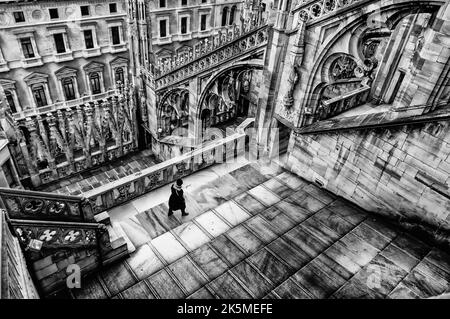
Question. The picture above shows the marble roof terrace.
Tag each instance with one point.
(258, 231)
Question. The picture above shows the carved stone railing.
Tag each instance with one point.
(340, 104)
(311, 10)
(31, 205)
(224, 36)
(214, 53)
(62, 142)
(64, 105)
(59, 234)
(122, 190)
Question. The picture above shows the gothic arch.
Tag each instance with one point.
(173, 110)
(397, 10)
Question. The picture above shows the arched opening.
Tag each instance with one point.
(224, 16)
(119, 75)
(94, 80)
(206, 119)
(39, 95)
(228, 100)
(68, 88)
(173, 113)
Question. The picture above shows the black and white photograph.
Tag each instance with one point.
(256, 151)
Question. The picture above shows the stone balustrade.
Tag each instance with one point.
(59, 234)
(211, 53)
(342, 103)
(312, 10)
(64, 105)
(31, 205)
(122, 190)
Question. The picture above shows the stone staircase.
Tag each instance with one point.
(50, 267)
(262, 232)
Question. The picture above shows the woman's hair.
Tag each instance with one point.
(179, 182)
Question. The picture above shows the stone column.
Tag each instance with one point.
(430, 66)
(271, 81)
(195, 125)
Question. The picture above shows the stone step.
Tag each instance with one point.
(119, 232)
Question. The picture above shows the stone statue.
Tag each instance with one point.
(297, 52)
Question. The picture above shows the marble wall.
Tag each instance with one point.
(402, 172)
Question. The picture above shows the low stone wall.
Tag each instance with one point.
(401, 172)
(124, 189)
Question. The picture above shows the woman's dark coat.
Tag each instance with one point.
(176, 200)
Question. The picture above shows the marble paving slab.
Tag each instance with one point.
(371, 236)
(144, 262)
(138, 291)
(380, 275)
(293, 209)
(439, 259)
(269, 169)
(135, 232)
(165, 286)
(333, 221)
(399, 257)
(168, 247)
(248, 176)
(361, 252)
(228, 187)
(292, 180)
(249, 276)
(202, 293)
(402, 292)
(290, 290)
(308, 202)
(338, 253)
(117, 278)
(188, 275)
(226, 287)
(207, 259)
(278, 188)
(264, 195)
(228, 249)
(232, 213)
(280, 222)
(289, 253)
(271, 266)
(245, 239)
(316, 281)
(154, 225)
(261, 228)
(249, 203)
(191, 235)
(91, 289)
(325, 234)
(303, 238)
(213, 224)
(348, 212)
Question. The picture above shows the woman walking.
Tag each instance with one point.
(176, 200)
